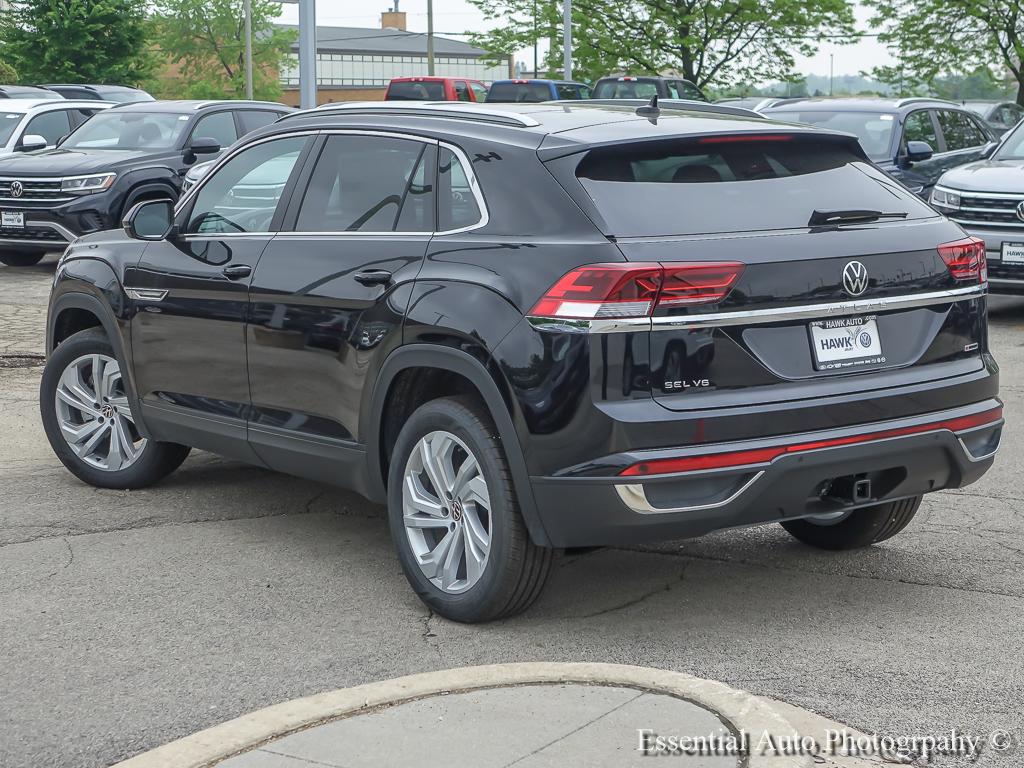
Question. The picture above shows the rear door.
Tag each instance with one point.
(330, 292)
(761, 287)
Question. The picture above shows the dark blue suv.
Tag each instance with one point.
(536, 91)
(915, 140)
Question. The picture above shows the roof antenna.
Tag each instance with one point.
(651, 110)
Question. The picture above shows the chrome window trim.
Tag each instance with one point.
(634, 497)
(760, 316)
(474, 186)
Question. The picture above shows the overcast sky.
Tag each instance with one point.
(455, 16)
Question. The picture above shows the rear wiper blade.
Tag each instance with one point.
(852, 216)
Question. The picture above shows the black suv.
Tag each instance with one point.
(915, 140)
(119, 93)
(535, 327)
(128, 153)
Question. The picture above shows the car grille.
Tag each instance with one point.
(33, 190)
(979, 209)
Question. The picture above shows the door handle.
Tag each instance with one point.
(373, 277)
(236, 271)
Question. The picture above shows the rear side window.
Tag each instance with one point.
(407, 91)
(721, 184)
(479, 91)
(369, 184)
(219, 126)
(572, 92)
(519, 92)
(457, 206)
(461, 91)
(681, 89)
(959, 130)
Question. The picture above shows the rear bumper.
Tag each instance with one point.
(594, 511)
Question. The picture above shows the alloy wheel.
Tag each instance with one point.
(93, 414)
(446, 510)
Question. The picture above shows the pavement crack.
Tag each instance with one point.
(428, 633)
(640, 599)
(308, 760)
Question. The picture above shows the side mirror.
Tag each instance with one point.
(918, 151)
(203, 145)
(150, 220)
(989, 149)
(30, 142)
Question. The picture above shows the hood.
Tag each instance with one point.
(68, 162)
(987, 176)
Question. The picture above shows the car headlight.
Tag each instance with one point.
(945, 198)
(85, 185)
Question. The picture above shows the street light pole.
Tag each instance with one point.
(247, 22)
(831, 72)
(430, 37)
(567, 38)
(307, 53)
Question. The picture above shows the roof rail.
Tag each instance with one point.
(916, 99)
(216, 102)
(455, 110)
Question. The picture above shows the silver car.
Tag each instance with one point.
(30, 124)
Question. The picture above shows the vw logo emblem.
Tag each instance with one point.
(855, 278)
(1020, 210)
(17, 189)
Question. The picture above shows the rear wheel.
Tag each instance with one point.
(858, 528)
(21, 258)
(89, 422)
(455, 519)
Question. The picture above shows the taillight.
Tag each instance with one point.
(635, 290)
(965, 259)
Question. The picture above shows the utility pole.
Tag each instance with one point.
(307, 53)
(247, 22)
(567, 38)
(535, 39)
(831, 73)
(430, 37)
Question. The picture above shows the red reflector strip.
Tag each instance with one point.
(740, 137)
(764, 455)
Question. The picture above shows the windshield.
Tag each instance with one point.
(8, 123)
(129, 130)
(873, 129)
(126, 97)
(421, 91)
(1012, 147)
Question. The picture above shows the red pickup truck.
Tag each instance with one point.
(435, 89)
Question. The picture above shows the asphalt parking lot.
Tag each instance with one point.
(129, 619)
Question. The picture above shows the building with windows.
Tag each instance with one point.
(356, 64)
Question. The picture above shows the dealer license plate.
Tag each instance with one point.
(1012, 253)
(845, 342)
(12, 219)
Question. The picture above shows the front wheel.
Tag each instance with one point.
(859, 528)
(455, 519)
(20, 258)
(88, 420)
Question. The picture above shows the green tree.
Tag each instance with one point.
(932, 37)
(93, 41)
(8, 75)
(205, 39)
(714, 43)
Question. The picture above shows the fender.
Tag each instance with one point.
(447, 358)
(151, 188)
(112, 327)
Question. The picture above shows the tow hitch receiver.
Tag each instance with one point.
(853, 489)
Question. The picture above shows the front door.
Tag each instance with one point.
(329, 296)
(190, 297)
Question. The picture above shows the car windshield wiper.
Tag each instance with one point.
(851, 216)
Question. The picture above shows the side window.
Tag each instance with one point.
(251, 119)
(1011, 114)
(456, 204)
(370, 184)
(50, 125)
(461, 91)
(79, 116)
(568, 92)
(673, 90)
(919, 127)
(689, 91)
(959, 130)
(243, 194)
(219, 126)
(479, 91)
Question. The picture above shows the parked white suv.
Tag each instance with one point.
(31, 124)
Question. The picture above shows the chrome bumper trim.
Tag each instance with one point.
(634, 497)
(146, 294)
(759, 316)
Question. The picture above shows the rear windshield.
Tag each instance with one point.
(719, 184)
(519, 92)
(427, 91)
(625, 89)
(873, 129)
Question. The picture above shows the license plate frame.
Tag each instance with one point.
(1012, 253)
(849, 342)
(12, 219)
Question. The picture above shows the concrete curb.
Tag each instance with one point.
(742, 711)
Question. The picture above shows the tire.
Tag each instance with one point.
(514, 569)
(97, 459)
(860, 528)
(21, 258)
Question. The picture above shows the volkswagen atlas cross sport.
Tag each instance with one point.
(532, 327)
